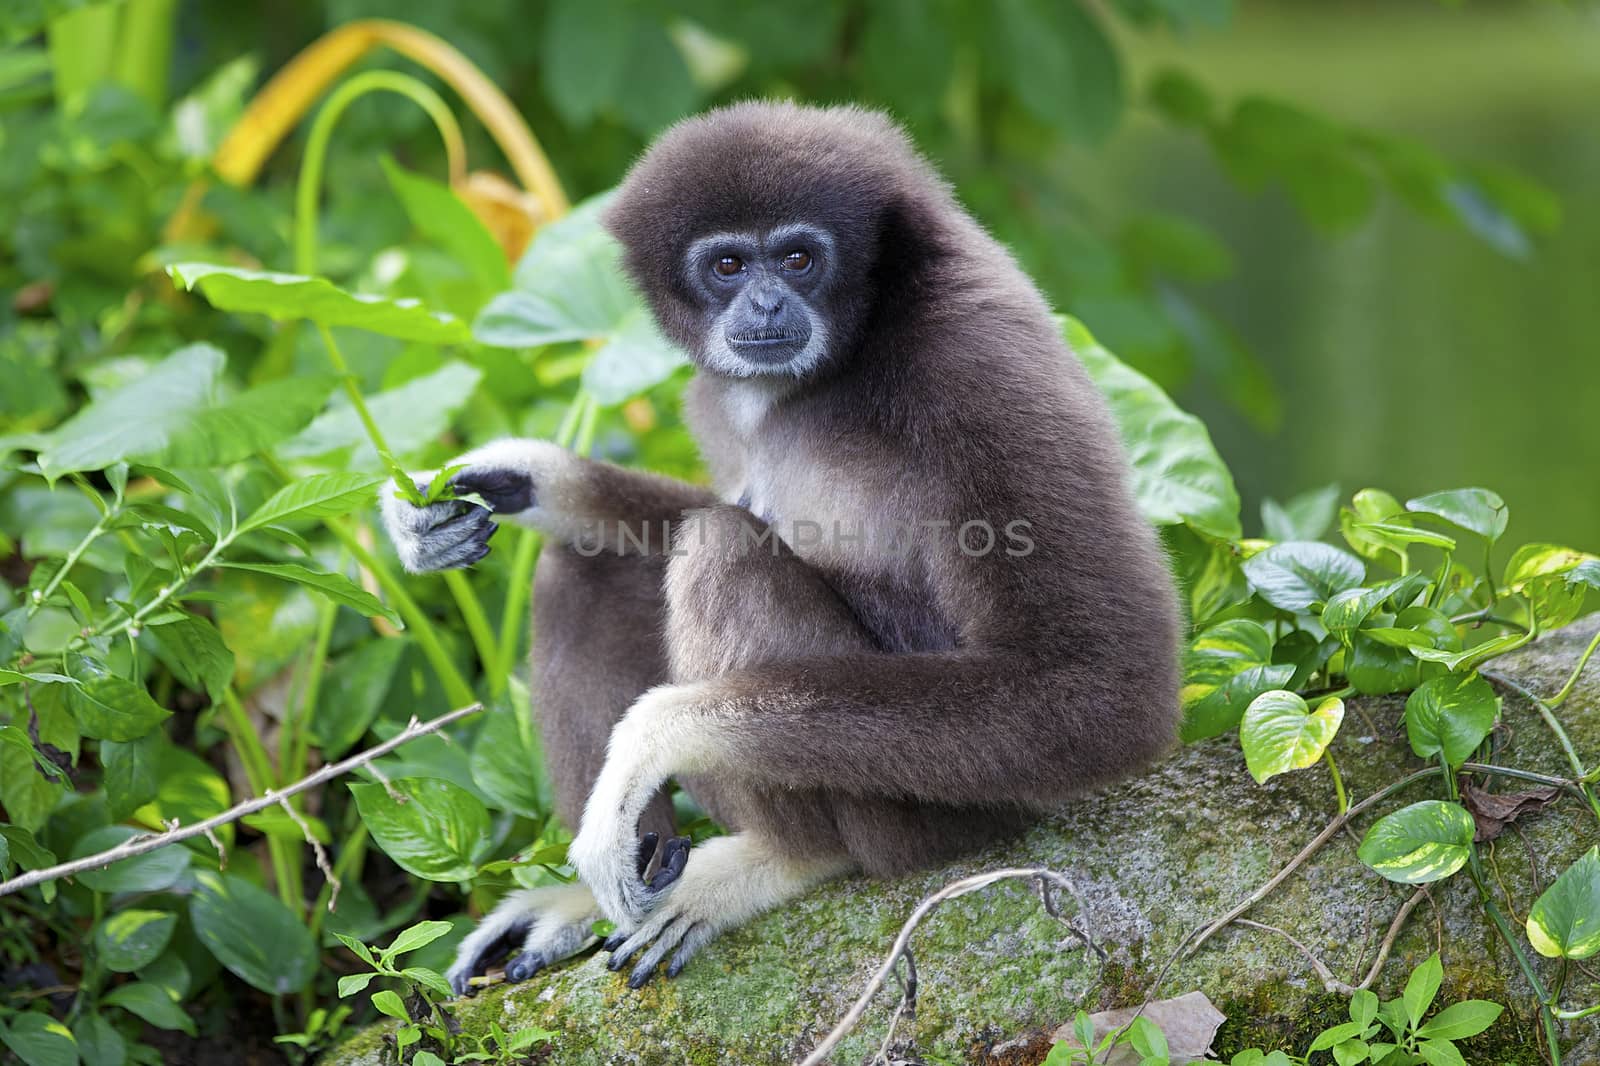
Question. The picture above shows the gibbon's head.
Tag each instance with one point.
(763, 234)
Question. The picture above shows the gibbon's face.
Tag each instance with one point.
(762, 298)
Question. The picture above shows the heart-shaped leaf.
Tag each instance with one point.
(130, 939)
(1280, 733)
(1226, 667)
(1295, 574)
(1565, 920)
(1479, 511)
(436, 833)
(1450, 716)
(1425, 842)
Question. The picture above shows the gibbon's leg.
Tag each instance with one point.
(733, 600)
(969, 729)
(535, 483)
(596, 647)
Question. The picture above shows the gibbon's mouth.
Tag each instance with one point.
(766, 339)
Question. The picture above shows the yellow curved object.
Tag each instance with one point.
(292, 91)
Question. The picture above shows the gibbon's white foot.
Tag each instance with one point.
(731, 880)
(551, 924)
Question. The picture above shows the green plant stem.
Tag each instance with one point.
(297, 737)
(144, 48)
(1338, 782)
(1566, 690)
(69, 562)
(1486, 900)
(352, 389)
(1574, 1015)
(515, 614)
(258, 772)
(477, 622)
(315, 159)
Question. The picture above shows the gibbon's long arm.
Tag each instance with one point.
(589, 504)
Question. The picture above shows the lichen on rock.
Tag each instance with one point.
(1152, 859)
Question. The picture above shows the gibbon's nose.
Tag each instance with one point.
(766, 297)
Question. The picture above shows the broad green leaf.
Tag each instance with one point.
(1461, 1020)
(317, 496)
(1440, 1053)
(336, 587)
(350, 984)
(1350, 1052)
(433, 979)
(1363, 1007)
(1280, 733)
(1422, 843)
(1450, 716)
(1476, 510)
(1377, 668)
(127, 940)
(99, 1043)
(1565, 920)
(1469, 659)
(1061, 67)
(150, 872)
(244, 424)
(1348, 609)
(1552, 578)
(568, 287)
(1226, 667)
(1177, 474)
(1338, 1034)
(152, 1003)
(352, 694)
(114, 708)
(441, 216)
(1421, 987)
(436, 834)
(1402, 534)
(508, 760)
(635, 357)
(1305, 653)
(1295, 574)
(252, 933)
(137, 418)
(412, 417)
(188, 788)
(417, 936)
(1367, 508)
(27, 852)
(194, 650)
(293, 296)
(1305, 517)
(39, 1040)
(1540, 560)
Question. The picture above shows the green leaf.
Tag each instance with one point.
(417, 936)
(130, 773)
(317, 496)
(1227, 666)
(293, 296)
(429, 979)
(1400, 533)
(634, 358)
(336, 587)
(245, 424)
(389, 1002)
(1348, 609)
(1295, 574)
(39, 1040)
(130, 939)
(1421, 987)
(350, 984)
(412, 416)
(1553, 579)
(352, 694)
(508, 760)
(436, 834)
(137, 418)
(441, 216)
(1450, 716)
(150, 872)
(1363, 1007)
(1377, 668)
(1060, 66)
(99, 1043)
(1177, 474)
(1475, 510)
(1280, 733)
(1440, 1053)
(1565, 920)
(1306, 517)
(1460, 1020)
(113, 708)
(152, 1003)
(194, 650)
(1419, 844)
(1469, 659)
(1338, 1034)
(252, 933)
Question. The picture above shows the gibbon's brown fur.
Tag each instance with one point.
(838, 701)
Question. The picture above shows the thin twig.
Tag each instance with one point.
(139, 845)
(317, 851)
(1394, 931)
(1041, 874)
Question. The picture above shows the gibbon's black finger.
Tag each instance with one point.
(647, 851)
(525, 966)
(673, 859)
(505, 491)
(615, 941)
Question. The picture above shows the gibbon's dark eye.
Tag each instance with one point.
(728, 265)
(797, 261)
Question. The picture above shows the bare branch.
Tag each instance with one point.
(1047, 879)
(139, 845)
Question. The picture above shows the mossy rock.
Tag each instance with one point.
(1152, 859)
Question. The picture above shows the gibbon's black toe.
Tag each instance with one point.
(640, 977)
(646, 852)
(614, 941)
(674, 857)
(619, 957)
(525, 966)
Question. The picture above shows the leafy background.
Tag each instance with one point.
(1354, 237)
